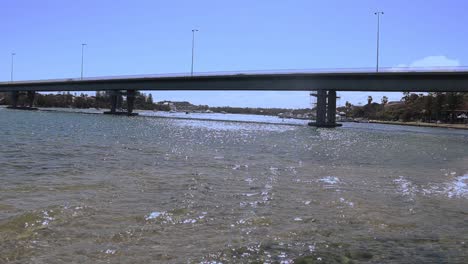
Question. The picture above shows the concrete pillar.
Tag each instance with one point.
(321, 107)
(331, 107)
(114, 98)
(31, 95)
(14, 99)
(130, 101)
(119, 100)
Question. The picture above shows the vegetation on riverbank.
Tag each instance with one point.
(100, 100)
(431, 107)
(142, 102)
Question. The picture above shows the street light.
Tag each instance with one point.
(378, 13)
(82, 58)
(12, 61)
(193, 48)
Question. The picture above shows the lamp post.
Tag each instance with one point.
(378, 13)
(193, 48)
(82, 58)
(12, 64)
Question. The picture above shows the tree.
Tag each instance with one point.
(438, 105)
(348, 107)
(405, 97)
(454, 100)
(384, 100)
(428, 107)
(150, 99)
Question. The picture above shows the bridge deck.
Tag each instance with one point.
(414, 81)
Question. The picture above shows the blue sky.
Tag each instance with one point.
(152, 37)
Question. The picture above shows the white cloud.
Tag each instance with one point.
(432, 61)
(427, 63)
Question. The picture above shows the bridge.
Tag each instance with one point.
(326, 83)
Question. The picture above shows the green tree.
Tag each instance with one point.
(428, 107)
(384, 100)
(348, 107)
(406, 96)
(438, 104)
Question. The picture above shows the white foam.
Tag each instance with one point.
(189, 221)
(458, 187)
(330, 180)
(250, 194)
(249, 180)
(343, 200)
(405, 187)
(153, 215)
(47, 218)
(238, 167)
(274, 171)
(110, 251)
(312, 248)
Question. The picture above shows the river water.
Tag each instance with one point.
(85, 188)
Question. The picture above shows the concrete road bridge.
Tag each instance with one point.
(325, 83)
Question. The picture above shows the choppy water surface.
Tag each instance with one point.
(101, 189)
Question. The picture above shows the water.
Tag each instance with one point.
(102, 189)
(198, 116)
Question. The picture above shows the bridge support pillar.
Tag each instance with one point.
(130, 101)
(326, 109)
(116, 103)
(31, 96)
(15, 96)
(331, 107)
(321, 107)
(14, 99)
(114, 97)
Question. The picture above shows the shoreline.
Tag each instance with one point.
(421, 124)
(399, 123)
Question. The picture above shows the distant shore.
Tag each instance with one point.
(400, 123)
(421, 124)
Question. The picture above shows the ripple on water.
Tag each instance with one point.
(405, 187)
(176, 216)
(234, 126)
(456, 188)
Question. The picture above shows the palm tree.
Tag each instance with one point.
(348, 107)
